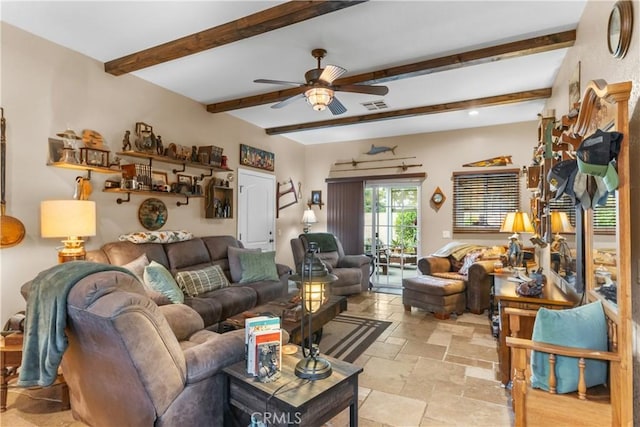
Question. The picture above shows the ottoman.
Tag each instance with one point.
(440, 296)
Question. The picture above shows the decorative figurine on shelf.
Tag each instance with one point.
(126, 142)
(159, 146)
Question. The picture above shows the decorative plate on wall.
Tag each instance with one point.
(152, 214)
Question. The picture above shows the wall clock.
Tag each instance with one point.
(619, 28)
(437, 198)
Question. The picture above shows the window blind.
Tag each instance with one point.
(482, 200)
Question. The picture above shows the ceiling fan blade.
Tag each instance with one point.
(371, 90)
(336, 107)
(288, 101)
(331, 72)
(278, 82)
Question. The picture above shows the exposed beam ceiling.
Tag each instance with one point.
(474, 57)
(267, 20)
(417, 111)
(437, 57)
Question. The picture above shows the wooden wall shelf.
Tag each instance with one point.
(184, 163)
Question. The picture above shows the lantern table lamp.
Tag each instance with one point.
(70, 219)
(516, 222)
(313, 281)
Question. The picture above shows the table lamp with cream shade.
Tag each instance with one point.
(516, 222)
(308, 218)
(70, 219)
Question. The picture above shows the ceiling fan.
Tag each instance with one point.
(319, 89)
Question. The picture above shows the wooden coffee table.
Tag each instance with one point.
(334, 306)
(292, 401)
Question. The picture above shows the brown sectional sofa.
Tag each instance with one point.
(478, 281)
(194, 254)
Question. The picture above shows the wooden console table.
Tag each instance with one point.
(292, 401)
(505, 295)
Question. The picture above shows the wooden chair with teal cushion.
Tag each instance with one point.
(567, 373)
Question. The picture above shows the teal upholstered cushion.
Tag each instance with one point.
(197, 282)
(582, 327)
(258, 266)
(159, 278)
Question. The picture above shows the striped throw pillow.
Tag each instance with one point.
(197, 282)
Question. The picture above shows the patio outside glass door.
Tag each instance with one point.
(392, 232)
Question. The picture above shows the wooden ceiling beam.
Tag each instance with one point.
(474, 57)
(489, 101)
(270, 19)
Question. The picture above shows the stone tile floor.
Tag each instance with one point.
(420, 372)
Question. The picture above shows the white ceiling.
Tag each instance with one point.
(361, 38)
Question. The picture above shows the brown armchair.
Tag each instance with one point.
(130, 362)
(478, 280)
(352, 270)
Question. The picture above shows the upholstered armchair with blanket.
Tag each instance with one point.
(131, 362)
(352, 270)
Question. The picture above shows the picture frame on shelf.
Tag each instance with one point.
(160, 181)
(184, 179)
(256, 158)
(316, 197)
(94, 157)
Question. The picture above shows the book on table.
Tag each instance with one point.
(252, 326)
(267, 350)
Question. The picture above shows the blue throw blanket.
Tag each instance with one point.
(44, 337)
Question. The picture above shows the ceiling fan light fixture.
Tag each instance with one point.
(319, 97)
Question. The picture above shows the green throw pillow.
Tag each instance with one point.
(159, 278)
(233, 255)
(198, 282)
(258, 266)
(583, 327)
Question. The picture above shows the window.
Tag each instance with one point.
(482, 200)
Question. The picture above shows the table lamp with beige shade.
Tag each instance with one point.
(70, 219)
(516, 222)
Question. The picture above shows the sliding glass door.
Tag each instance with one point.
(392, 231)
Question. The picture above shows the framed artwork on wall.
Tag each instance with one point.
(256, 158)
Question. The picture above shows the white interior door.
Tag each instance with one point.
(256, 209)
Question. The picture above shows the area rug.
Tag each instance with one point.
(347, 337)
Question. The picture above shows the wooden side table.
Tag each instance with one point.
(505, 295)
(10, 361)
(292, 401)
